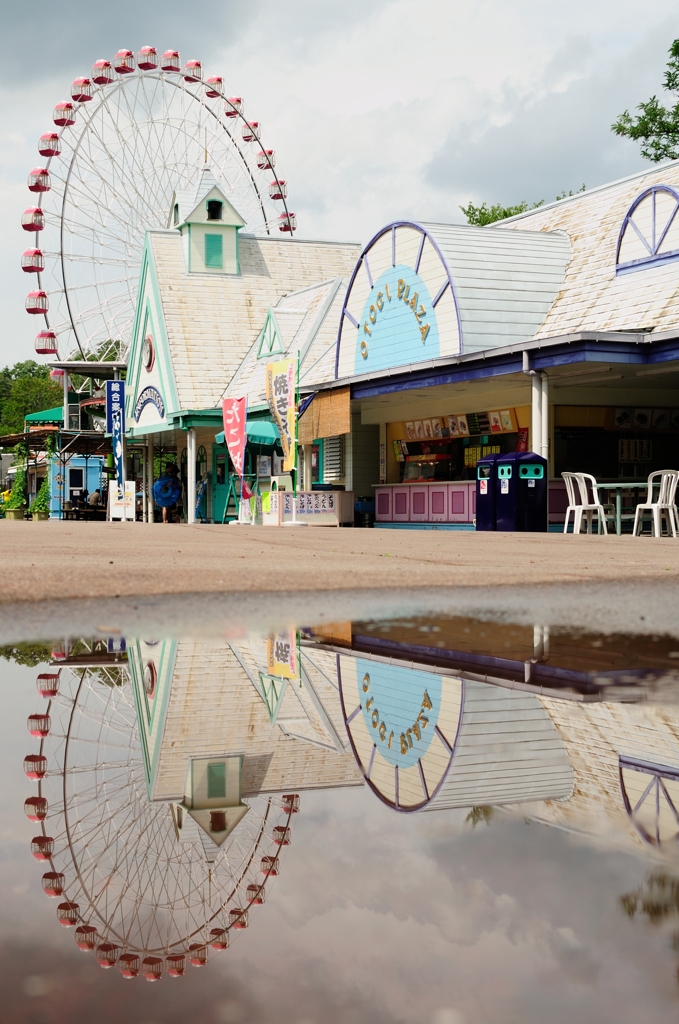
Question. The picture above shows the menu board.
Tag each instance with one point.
(478, 423)
(500, 421)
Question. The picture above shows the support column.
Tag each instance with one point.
(308, 453)
(65, 378)
(149, 476)
(191, 475)
(144, 491)
(544, 413)
(536, 414)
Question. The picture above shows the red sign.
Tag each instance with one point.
(234, 412)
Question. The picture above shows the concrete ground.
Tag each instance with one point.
(55, 560)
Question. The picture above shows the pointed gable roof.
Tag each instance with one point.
(191, 200)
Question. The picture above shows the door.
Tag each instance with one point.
(438, 503)
(76, 483)
(419, 503)
(220, 481)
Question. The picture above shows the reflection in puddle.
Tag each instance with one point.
(167, 774)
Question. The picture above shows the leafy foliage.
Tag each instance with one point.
(656, 127)
(41, 502)
(479, 814)
(17, 498)
(484, 214)
(657, 901)
(25, 387)
(29, 654)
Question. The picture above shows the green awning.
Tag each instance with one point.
(46, 416)
(258, 431)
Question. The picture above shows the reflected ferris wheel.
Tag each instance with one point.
(137, 129)
(139, 890)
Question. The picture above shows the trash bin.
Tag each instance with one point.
(364, 512)
(521, 500)
(486, 487)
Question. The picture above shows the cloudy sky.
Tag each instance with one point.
(376, 108)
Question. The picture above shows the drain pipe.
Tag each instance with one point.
(544, 412)
(536, 427)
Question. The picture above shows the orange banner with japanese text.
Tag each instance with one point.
(281, 387)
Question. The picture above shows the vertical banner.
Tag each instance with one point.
(281, 386)
(115, 426)
(281, 655)
(234, 414)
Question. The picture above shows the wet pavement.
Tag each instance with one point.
(401, 813)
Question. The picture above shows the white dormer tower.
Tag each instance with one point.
(209, 226)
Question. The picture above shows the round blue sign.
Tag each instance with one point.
(400, 708)
(398, 324)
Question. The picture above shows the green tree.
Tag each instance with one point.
(28, 394)
(656, 127)
(484, 214)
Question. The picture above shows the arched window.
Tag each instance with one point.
(176, 213)
(214, 209)
(649, 235)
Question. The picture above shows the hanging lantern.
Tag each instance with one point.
(33, 219)
(256, 894)
(102, 72)
(64, 114)
(49, 144)
(238, 918)
(32, 261)
(39, 725)
(290, 802)
(265, 159)
(171, 61)
(53, 884)
(82, 90)
(193, 71)
(278, 190)
(35, 808)
(213, 86)
(86, 937)
(35, 766)
(152, 968)
(287, 222)
(175, 964)
(107, 955)
(147, 58)
(197, 954)
(123, 62)
(67, 914)
(129, 964)
(234, 106)
(219, 938)
(251, 131)
(42, 847)
(39, 180)
(47, 683)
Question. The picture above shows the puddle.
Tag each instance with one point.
(437, 818)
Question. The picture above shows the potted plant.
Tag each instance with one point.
(16, 505)
(40, 509)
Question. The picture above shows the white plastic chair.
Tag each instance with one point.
(580, 505)
(662, 509)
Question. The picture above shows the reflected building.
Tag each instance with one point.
(567, 730)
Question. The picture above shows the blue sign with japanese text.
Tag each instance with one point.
(115, 403)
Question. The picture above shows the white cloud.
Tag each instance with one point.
(377, 110)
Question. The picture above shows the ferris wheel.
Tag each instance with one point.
(133, 893)
(132, 133)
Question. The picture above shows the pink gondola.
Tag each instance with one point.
(47, 683)
(32, 261)
(63, 114)
(39, 725)
(42, 847)
(39, 180)
(67, 914)
(256, 894)
(278, 190)
(213, 86)
(287, 222)
(124, 62)
(35, 766)
(197, 954)
(53, 884)
(219, 938)
(82, 90)
(193, 71)
(35, 808)
(129, 964)
(107, 954)
(147, 58)
(266, 159)
(86, 937)
(238, 918)
(37, 302)
(234, 106)
(171, 61)
(33, 219)
(251, 131)
(102, 72)
(152, 968)
(49, 144)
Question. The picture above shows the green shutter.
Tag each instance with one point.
(216, 780)
(213, 251)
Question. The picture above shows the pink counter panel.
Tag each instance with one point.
(426, 503)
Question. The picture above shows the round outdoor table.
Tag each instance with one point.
(619, 486)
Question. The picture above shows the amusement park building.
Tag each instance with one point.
(556, 330)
